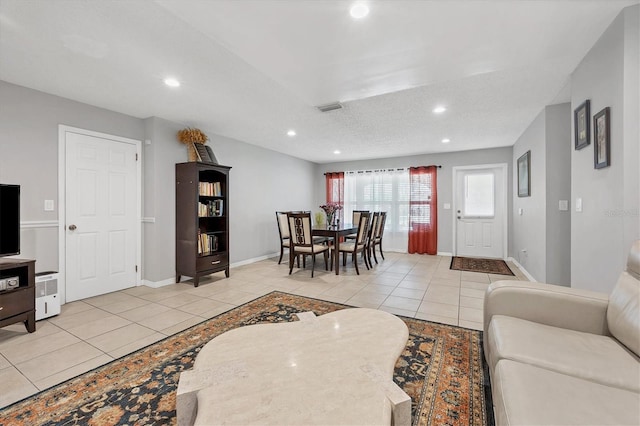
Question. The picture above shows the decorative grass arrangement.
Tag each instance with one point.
(190, 136)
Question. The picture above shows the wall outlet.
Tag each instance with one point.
(48, 205)
(447, 206)
(579, 205)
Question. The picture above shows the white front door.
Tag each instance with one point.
(101, 215)
(480, 211)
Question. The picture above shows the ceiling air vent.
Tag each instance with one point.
(330, 107)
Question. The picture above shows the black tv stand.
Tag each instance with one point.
(18, 304)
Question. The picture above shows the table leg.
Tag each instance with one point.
(336, 253)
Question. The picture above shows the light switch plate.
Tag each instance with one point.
(579, 204)
(48, 205)
(520, 211)
(447, 206)
(563, 205)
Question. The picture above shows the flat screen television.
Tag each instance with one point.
(9, 220)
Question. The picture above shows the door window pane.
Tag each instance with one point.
(479, 195)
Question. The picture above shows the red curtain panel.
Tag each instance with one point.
(423, 210)
(335, 189)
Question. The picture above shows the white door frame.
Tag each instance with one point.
(505, 204)
(62, 199)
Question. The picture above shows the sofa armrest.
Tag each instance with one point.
(570, 308)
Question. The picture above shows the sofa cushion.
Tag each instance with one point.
(588, 356)
(527, 395)
(623, 312)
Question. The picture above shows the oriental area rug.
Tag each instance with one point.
(441, 369)
(486, 266)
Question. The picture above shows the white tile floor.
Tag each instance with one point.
(95, 331)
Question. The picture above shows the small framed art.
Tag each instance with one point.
(581, 122)
(601, 138)
(524, 175)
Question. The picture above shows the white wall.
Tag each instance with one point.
(602, 234)
(445, 180)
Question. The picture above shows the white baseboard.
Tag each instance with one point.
(254, 260)
(524, 271)
(444, 253)
(169, 281)
(158, 284)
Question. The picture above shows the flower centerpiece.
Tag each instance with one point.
(330, 210)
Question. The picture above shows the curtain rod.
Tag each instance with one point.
(381, 170)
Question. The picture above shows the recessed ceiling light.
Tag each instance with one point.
(446, 140)
(291, 132)
(171, 82)
(359, 11)
(336, 152)
(439, 110)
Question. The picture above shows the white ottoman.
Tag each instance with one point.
(332, 369)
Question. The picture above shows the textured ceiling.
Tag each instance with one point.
(251, 70)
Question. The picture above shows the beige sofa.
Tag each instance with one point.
(563, 356)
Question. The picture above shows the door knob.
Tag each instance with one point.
(459, 217)
(72, 227)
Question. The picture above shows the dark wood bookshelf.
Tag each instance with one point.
(202, 220)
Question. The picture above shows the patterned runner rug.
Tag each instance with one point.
(440, 368)
(487, 266)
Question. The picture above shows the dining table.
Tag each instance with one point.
(335, 232)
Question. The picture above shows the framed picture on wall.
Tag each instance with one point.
(581, 122)
(524, 175)
(601, 137)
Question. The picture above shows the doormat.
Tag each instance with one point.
(486, 266)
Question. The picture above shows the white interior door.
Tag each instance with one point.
(101, 215)
(480, 211)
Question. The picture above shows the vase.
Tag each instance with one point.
(329, 219)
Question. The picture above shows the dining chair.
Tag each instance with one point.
(301, 241)
(355, 219)
(283, 231)
(359, 243)
(379, 233)
(371, 235)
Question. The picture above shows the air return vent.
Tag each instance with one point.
(330, 107)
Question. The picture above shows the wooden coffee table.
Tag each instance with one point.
(332, 369)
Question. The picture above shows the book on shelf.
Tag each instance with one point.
(207, 243)
(211, 208)
(210, 189)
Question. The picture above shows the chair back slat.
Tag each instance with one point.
(300, 229)
(380, 225)
(283, 225)
(356, 216)
(373, 227)
(363, 227)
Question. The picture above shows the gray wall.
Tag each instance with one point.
(445, 180)
(558, 187)
(29, 122)
(529, 236)
(602, 234)
(262, 181)
(541, 234)
(161, 152)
